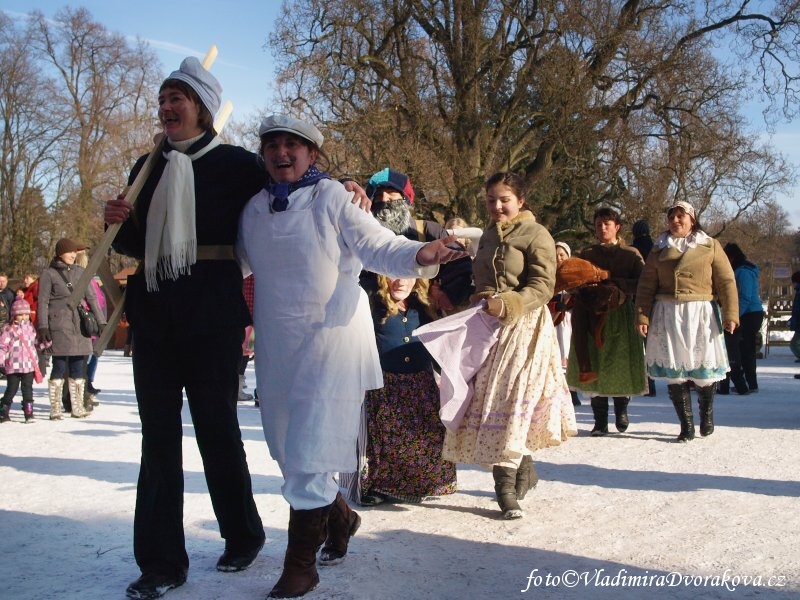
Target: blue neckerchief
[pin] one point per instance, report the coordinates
(281, 191)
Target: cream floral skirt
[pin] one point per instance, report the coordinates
(521, 401)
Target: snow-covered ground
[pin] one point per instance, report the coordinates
(626, 516)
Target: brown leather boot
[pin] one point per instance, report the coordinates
(307, 530)
(343, 522)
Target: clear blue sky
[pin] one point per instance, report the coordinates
(240, 28)
(176, 29)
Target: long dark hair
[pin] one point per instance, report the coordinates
(512, 180)
(736, 255)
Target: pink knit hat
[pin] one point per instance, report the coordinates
(20, 307)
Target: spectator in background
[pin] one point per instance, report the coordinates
(644, 243)
(794, 320)
(89, 399)
(248, 290)
(6, 293)
(30, 292)
(641, 238)
(561, 309)
(61, 325)
(18, 359)
(751, 315)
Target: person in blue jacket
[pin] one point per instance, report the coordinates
(751, 315)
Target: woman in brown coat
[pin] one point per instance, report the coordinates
(521, 401)
(685, 273)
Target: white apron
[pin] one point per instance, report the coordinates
(316, 353)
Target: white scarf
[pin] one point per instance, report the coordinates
(170, 247)
(694, 239)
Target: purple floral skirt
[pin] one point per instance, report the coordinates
(404, 440)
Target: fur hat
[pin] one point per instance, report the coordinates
(195, 75)
(575, 272)
(65, 245)
(307, 131)
(395, 180)
(20, 307)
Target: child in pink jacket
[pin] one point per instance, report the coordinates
(18, 359)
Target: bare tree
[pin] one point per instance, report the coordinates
(453, 90)
(105, 90)
(27, 167)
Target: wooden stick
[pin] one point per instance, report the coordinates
(210, 57)
(222, 116)
(110, 330)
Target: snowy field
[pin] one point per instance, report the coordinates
(630, 515)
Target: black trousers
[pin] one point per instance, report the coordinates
(750, 325)
(13, 381)
(206, 366)
(741, 346)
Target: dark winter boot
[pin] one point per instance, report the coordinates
(737, 379)
(88, 401)
(343, 522)
(505, 488)
(5, 412)
(307, 530)
(621, 413)
(600, 411)
(705, 397)
(27, 410)
(724, 386)
(527, 477)
(682, 401)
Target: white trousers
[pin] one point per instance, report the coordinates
(304, 491)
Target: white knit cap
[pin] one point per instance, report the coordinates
(291, 125)
(192, 73)
(565, 246)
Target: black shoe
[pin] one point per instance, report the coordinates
(4, 416)
(238, 560)
(153, 585)
(372, 498)
(92, 390)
